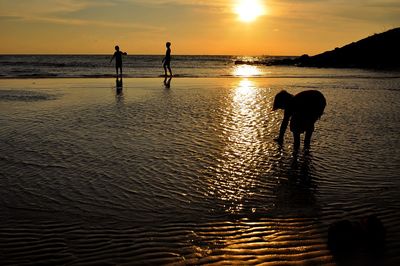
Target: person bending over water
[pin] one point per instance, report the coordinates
(167, 59)
(303, 110)
(118, 59)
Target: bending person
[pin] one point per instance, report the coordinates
(303, 110)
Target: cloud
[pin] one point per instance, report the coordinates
(54, 11)
(337, 8)
(204, 5)
(183, 2)
(82, 22)
(305, 13)
(47, 7)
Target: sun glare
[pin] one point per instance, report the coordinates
(249, 10)
(246, 71)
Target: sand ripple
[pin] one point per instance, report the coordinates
(191, 175)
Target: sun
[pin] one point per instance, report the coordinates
(249, 10)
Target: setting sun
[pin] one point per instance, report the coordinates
(249, 10)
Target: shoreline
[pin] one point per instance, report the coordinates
(386, 75)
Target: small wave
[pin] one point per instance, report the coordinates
(149, 66)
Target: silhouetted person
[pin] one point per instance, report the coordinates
(348, 237)
(167, 82)
(118, 59)
(303, 110)
(167, 59)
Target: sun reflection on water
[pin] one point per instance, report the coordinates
(243, 142)
(247, 71)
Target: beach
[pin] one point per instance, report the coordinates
(188, 172)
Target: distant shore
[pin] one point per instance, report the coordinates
(378, 52)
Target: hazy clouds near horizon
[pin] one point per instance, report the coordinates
(195, 27)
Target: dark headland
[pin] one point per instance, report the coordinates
(379, 51)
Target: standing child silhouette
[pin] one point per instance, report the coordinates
(118, 59)
(167, 60)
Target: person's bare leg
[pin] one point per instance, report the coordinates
(307, 139)
(296, 137)
(170, 71)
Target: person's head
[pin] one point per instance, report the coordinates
(116, 48)
(343, 237)
(281, 100)
(167, 44)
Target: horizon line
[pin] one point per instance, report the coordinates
(138, 54)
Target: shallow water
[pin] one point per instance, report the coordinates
(191, 174)
(141, 66)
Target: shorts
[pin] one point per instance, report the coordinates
(167, 63)
(301, 122)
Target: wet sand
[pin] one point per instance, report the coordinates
(94, 174)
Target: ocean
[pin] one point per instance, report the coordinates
(146, 66)
(144, 172)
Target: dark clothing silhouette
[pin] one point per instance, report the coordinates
(118, 59)
(167, 59)
(303, 110)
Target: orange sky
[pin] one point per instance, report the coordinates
(287, 27)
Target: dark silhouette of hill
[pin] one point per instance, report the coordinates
(379, 51)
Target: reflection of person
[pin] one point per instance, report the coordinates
(167, 59)
(118, 59)
(167, 82)
(118, 86)
(303, 110)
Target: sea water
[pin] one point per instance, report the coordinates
(97, 66)
(190, 174)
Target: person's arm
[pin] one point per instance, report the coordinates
(112, 58)
(125, 53)
(283, 127)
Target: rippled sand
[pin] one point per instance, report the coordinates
(191, 174)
